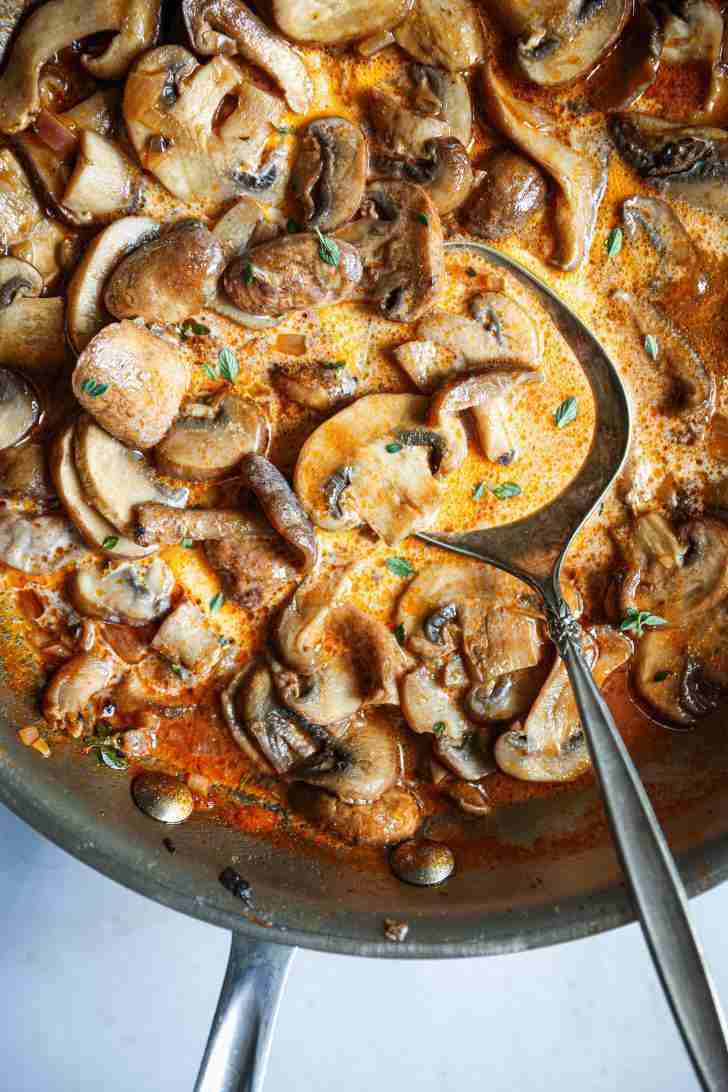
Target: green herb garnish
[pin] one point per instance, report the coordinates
(93, 388)
(566, 412)
(113, 758)
(177, 670)
(248, 273)
(439, 728)
(189, 326)
(393, 448)
(506, 490)
(216, 602)
(614, 242)
(212, 371)
(292, 226)
(400, 634)
(479, 491)
(635, 621)
(399, 566)
(187, 543)
(660, 676)
(334, 365)
(651, 347)
(422, 218)
(329, 250)
(110, 542)
(284, 130)
(229, 367)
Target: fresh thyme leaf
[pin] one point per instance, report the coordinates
(177, 670)
(422, 218)
(229, 367)
(399, 566)
(216, 602)
(334, 365)
(635, 621)
(393, 448)
(110, 542)
(479, 491)
(329, 250)
(189, 326)
(292, 226)
(566, 412)
(506, 490)
(115, 760)
(248, 273)
(284, 130)
(651, 347)
(439, 728)
(93, 388)
(400, 634)
(187, 543)
(660, 676)
(614, 242)
(212, 371)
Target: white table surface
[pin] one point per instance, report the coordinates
(104, 991)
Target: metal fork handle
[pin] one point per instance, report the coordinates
(656, 886)
(237, 1051)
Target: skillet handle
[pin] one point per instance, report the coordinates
(236, 1055)
(657, 889)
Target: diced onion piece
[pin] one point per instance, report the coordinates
(28, 735)
(293, 344)
(55, 134)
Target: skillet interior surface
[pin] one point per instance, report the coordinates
(555, 878)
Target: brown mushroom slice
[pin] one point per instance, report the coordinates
(427, 707)
(72, 694)
(292, 273)
(470, 759)
(509, 697)
(330, 172)
(96, 530)
(580, 180)
(38, 544)
(129, 592)
(345, 475)
(400, 242)
(318, 387)
(683, 269)
(334, 22)
(160, 525)
(659, 662)
(300, 630)
(360, 764)
(185, 638)
(478, 389)
(235, 229)
(60, 24)
(230, 27)
(132, 382)
(447, 33)
(19, 407)
(510, 195)
(85, 310)
(560, 47)
(497, 640)
(391, 819)
(24, 473)
(169, 277)
(443, 170)
(114, 479)
(31, 328)
(104, 183)
(171, 108)
(693, 33)
(445, 94)
(402, 131)
(694, 390)
(281, 506)
(631, 68)
(208, 440)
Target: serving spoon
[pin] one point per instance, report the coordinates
(533, 549)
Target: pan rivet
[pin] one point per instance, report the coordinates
(162, 797)
(422, 863)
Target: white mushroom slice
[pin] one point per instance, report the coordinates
(85, 310)
(207, 447)
(402, 131)
(114, 479)
(132, 382)
(169, 277)
(60, 24)
(345, 475)
(360, 765)
(96, 530)
(130, 592)
(70, 696)
(31, 329)
(429, 708)
(230, 27)
(158, 685)
(330, 172)
(580, 180)
(446, 95)
(497, 641)
(170, 106)
(471, 759)
(185, 638)
(38, 544)
(234, 231)
(24, 473)
(19, 408)
(19, 208)
(333, 22)
(388, 821)
(302, 624)
(164, 526)
(104, 184)
(319, 387)
(564, 42)
(447, 33)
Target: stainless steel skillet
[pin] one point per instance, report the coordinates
(569, 887)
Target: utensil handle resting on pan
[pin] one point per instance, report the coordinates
(236, 1055)
(653, 878)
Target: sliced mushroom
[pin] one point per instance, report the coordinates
(580, 179)
(400, 242)
(478, 389)
(132, 382)
(302, 625)
(446, 95)
(447, 33)
(470, 759)
(185, 638)
(400, 130)
(319, 387)
(345, 475)
(330, 172)
(292, 273)
(24, 473)
(96, 530)
(85, 310)
(38, 544)
(160, 525)
(333, 22)
(551, 746)
(683, 270)
(114, 479)
(444, 171)
(693, 385)
(511, 194)
(168, 277)
(497, 642)
(560, 45)
(239, 226)
(631, 68)
(75, 691)
(208, 439)
(130, 592)
(31, 328)
(157, 685)
(230, 27)
(60, 24)
(687, 161)
(171, 109)
(360, 764)
(427, 707)
(271, 735)
(19, 406)
(693, 32)
(255, 565)
(509, 697)
(281, 506)
(104, 183)
(391, 819)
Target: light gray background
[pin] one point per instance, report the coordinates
(104, 991)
